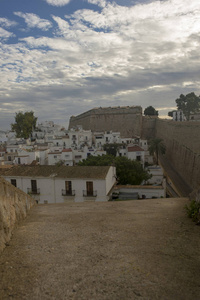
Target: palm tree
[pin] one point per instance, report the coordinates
(156, 146)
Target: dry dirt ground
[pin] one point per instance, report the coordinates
(145, 249)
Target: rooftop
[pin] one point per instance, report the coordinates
(90, 172)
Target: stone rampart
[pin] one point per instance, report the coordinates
(126, 120)
(14, 205)
(182, 141)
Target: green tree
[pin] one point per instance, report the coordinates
(104, 160)
(188, 104)
(128, 171)
(156, 146)
(150, 111)
(112, 148)
(170, 113)
(24, 124)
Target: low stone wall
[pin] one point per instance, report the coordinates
(14, 205)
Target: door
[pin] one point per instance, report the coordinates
(68, 187)
(34, 186)
(89, 186)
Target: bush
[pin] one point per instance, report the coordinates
(193, 211)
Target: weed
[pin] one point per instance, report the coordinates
(193, 210)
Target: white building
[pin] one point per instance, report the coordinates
(51, 184)
(157, 175)
(178, 116)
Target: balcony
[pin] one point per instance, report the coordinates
(33, 191)
(89, 193)
(68, 193)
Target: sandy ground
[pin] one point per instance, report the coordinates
(145, 249)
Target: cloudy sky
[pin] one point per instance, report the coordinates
(62, 57)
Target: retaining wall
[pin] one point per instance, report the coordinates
(14, 205)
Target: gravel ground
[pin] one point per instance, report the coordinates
(145, 249)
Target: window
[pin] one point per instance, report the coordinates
(34, 186)
(89, 187)
(68, 187)
(13, 182)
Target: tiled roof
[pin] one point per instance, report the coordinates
(135, 148)
(90, 172)
(56, 152)
(67, 150)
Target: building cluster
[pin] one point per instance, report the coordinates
(52, 144)
(45, 165)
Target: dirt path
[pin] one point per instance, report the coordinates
(143, 249)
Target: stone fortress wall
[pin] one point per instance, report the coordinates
(14, 205)
(182, 140)
(127, 120)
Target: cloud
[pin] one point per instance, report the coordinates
(58, 2)
(7, 23)
(100, 3)
(32, 20)
(146, 54)
(4, 34)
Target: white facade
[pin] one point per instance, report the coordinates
(52, 188)
(178, 116)
(157, 175)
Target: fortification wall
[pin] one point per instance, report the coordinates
(126, 120)
(14, 205)
(182, 142)
(148, 127)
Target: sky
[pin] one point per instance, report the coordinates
(60, 58)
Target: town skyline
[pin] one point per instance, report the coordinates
(61, 58)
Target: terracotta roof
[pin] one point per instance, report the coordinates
(67, 150)
(135, 148)
(56, 152)
(90, 172)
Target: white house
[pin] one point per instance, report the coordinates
(128, 192)
(157, 175)
(178, 115)
(52, 184)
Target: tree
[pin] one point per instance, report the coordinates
(128, 171)
(150, 111)
(188, 104)
(112, 148)
(156, 146)
(24, 124)
(170, 113)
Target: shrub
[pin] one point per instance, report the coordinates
(193, 210)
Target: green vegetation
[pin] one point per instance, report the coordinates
(150, 111)
(156, 146)
(112, 148)
(188, 104)
(128, 171)
(24, 124)
(193, 210)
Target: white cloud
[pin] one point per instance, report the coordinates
(62, 24)
(124, 55)
(4, 34)
(101, 3)
(58, 2)
(32, 20)
(7, 23)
